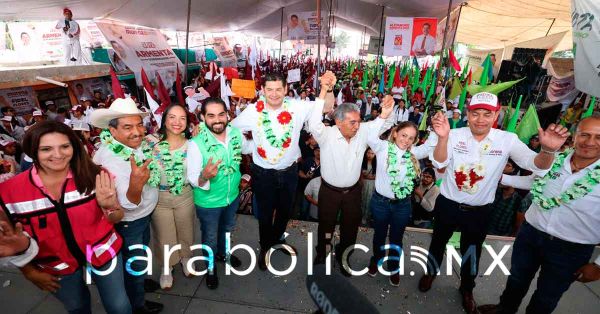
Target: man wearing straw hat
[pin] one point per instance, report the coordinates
(126, 154)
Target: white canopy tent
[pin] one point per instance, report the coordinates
(483, 23)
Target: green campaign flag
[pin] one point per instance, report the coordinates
(484, 79)
(507, 115)
(415, 79)
(463, 98)
(405, 97)
(456, 88)
(391, 74)
(465, 70)
(365, 80)
(492, 88)
(423, 124)
(529, 125)
(351, 67)
(590, 109)
(512, 124)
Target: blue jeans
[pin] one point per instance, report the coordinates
(395, 216)
(75, 295)
(214, 223)
(134, 232)
(558, 260)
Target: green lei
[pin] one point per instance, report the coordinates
(236, 144)
(125, 152)
(265, 122)
(578, 190)
(400, 191)
(173, 166)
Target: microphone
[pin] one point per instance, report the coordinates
(67, 24)
(334, 294)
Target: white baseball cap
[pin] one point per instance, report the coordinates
(484, 100)
(6, 118)
(246, 177)
(49, 102)
(37, 113)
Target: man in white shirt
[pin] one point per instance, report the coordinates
(193, 99)
(559, 238)
(275, 122)
(342, 150)
(125, 122)
(296, 30)
(70, 34)
(424, 44)
(473, 158)
(311, 192)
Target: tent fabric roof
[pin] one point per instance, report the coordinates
(485, 23)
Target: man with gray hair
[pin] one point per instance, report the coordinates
(342, 149)
(125, 154)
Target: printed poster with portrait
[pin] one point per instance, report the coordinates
(304, 26)
(410, 36)
(142, 47)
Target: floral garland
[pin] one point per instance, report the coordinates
(236, 145)
(468, 175)
(264, 125)
(578, 190)
(400, 191)
(125, 152)
(173, 166)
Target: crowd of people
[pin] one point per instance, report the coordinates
(98, 178)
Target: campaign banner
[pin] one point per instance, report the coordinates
(450, 33)
(410, 36)
(141, 47)
(36, 41)
(305, 26)
(22, 99)
(86, 88)
(398, 36)
(225, 52)
(586, 36)
(293, 76)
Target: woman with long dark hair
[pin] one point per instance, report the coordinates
(68, 205)
(397, 172)
(173, 218)
(368, 171)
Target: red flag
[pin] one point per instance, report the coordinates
(397, 82)
(405, 82)
(163, 95)
(469, 77)
(454, 62)
(257, 77)
(385, 76)
(147, 86)
(231, 73)
(179, 89)
(116, 86)
(248, 71)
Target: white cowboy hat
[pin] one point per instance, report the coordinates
(121, 107)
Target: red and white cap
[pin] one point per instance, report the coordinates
(484, 100)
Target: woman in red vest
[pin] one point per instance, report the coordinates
(68, 205)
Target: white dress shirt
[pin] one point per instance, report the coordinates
(491, 153)
(383, 182)
(429, 44)
(121, 169)
(301, 112)
(341, 160)
(312, 190)
(518, 182)
(577, 221)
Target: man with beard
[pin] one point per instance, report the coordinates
(125, 154)
(213, 169)
(275, 122)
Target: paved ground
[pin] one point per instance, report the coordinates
(262, 292)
